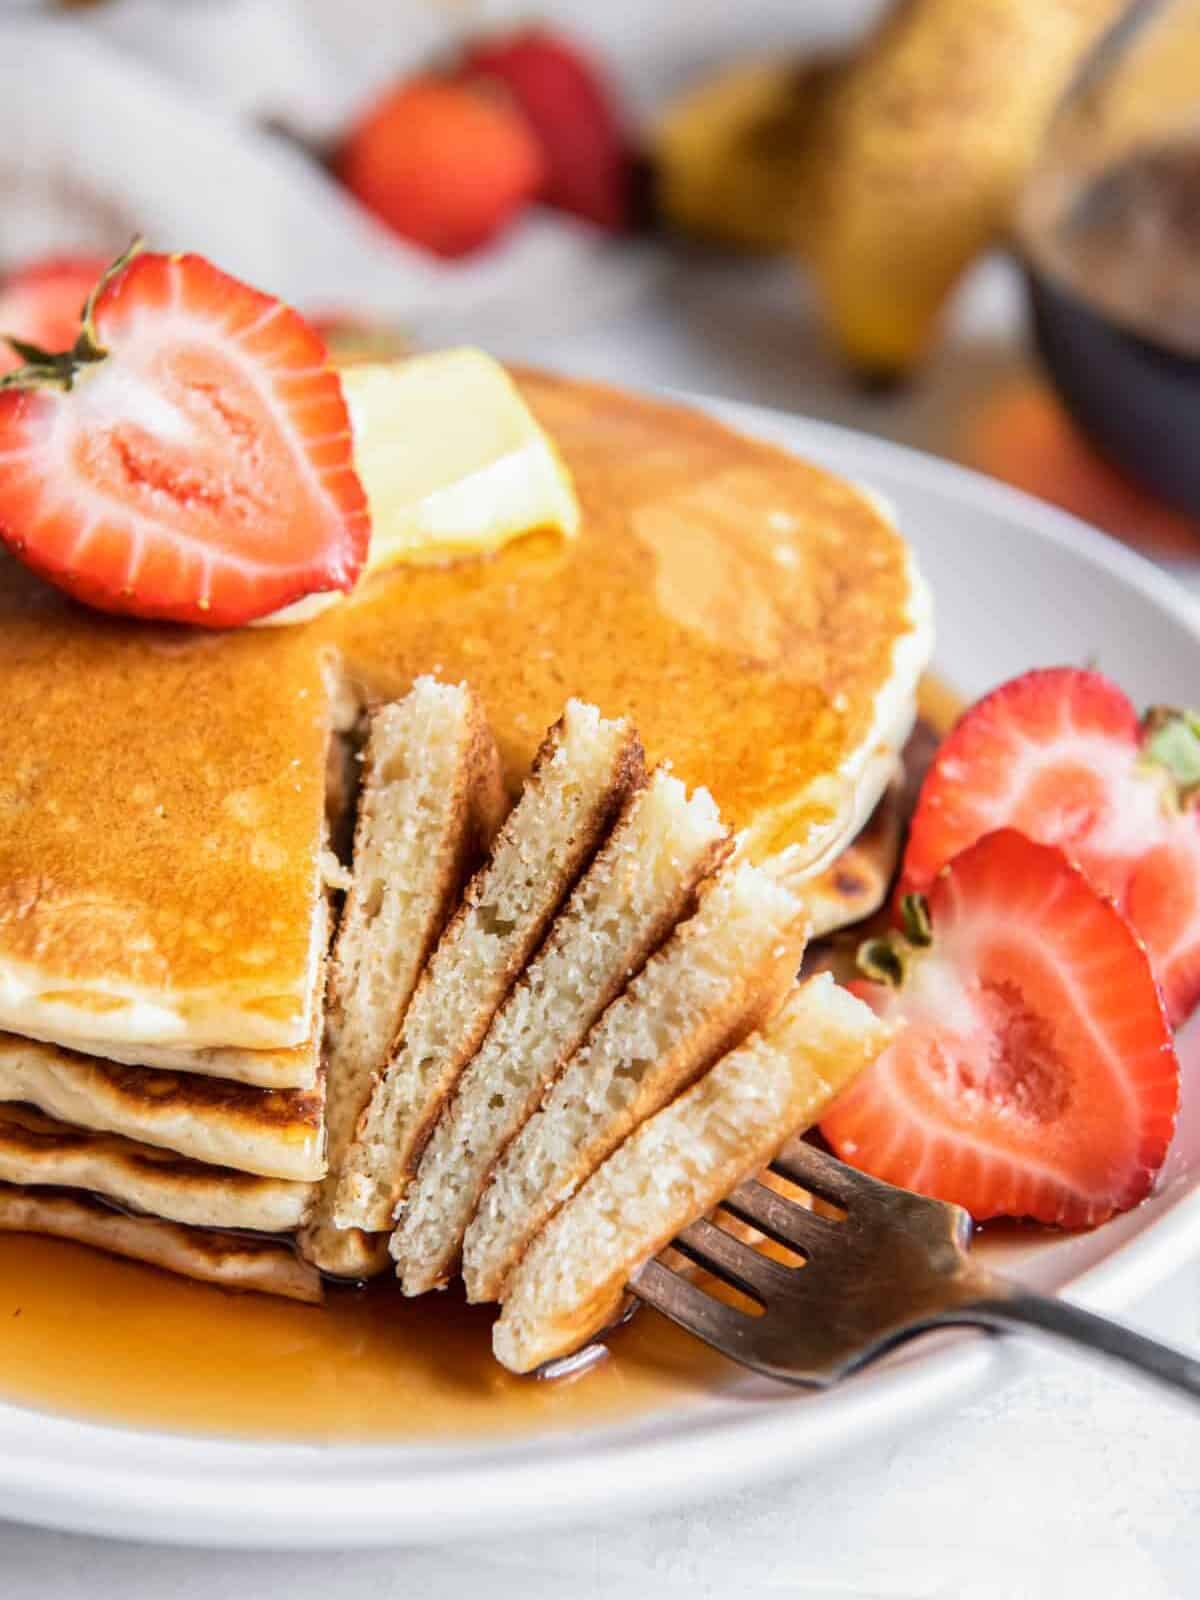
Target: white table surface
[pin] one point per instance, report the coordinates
(1062, 1481)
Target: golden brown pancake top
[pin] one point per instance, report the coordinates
(161, 790)
(161, 799)
(739, 605)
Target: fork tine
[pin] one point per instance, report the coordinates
(729, 1258)
(687, 1304)
(781, 1348)
(779, 1218)
(824, 1175)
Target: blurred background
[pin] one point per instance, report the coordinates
(968, 225)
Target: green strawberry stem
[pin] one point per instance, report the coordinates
(1171, 744)
(888, 958)
(45, 369)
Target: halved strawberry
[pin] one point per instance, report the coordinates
(1034, 1073)
(41, 303)
(189, 458)
(1060, 755)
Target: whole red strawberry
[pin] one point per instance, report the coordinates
(189, 457)
(573, 111)
(41, 303)
(444, 165)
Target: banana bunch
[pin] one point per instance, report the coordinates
(887, 172)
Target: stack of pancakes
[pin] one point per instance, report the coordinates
(163, 927)
(170, 803)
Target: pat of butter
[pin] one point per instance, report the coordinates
(453, 462)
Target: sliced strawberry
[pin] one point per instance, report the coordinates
(1059, 754)
(1162, 896)
(42, 302)
(188, 459)
(1034, 1073)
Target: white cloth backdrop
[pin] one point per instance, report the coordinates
(164, 116)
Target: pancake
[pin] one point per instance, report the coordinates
(35, 1149)
(296, 1067)
(856, 883)
(234, 1261)
(262, 1069)
(759, 620)
(161, 824)
(162, 794)
(278, 1133)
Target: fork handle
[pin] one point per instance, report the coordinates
(1005, 1306)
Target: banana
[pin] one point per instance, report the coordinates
(926, 138)
(733, 155)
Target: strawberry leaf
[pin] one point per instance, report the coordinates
(914, 913)
(1171, 741)
(59, 369)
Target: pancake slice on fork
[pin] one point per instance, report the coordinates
(430, 802)
(586, 769)
(678, 1165)
(723, 972)
(626, 903)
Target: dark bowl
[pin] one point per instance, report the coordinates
(1137, 400)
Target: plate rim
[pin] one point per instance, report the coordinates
(91, 1477)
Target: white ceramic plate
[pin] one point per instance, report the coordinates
(1016, 585)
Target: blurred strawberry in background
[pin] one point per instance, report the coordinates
(574, 113)
(40, 303)
(443, 164)
(448, 161)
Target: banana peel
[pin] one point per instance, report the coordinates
(925, 140)
(733, 156)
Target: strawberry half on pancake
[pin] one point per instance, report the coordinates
(41, 303)
(188, 459)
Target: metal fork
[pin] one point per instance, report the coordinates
(895, 1266)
